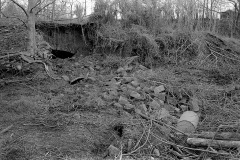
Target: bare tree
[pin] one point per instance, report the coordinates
(31, 12)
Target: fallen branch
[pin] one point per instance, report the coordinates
(6, 129)
(147, 138)
(193, 149)
(10, 55)
(27, 57)
(213, 143)
(217, 136)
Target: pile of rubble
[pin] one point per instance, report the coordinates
(175, 113)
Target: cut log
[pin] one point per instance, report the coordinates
(217, 136)
(213, 143)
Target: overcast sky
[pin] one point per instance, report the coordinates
(89, 3)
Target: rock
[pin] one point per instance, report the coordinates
(147, 89)
(135, 83)
(135, 95)
(107, 96)
(171, 100)
(76, 116)
(161, 96)
(177, 110)
(128, 79)
(128, 68)
(120, 70)
(92, 79)
(138, 88)
(129, 86)
(129, 106)
(113, 93)
(124, 89)
(124, 74)
(123, 100)
(100, 102)
(138, 111)
(118, 105)
(113, 151)
(183, 100)
(159, 101)
(97, 67)
(177, 92)
(154, 105)
(19, 67)
(156, 152)
(77, 64)
(143, 107)
(163, 113)
(159, 89)
(194, 104)
(113, 84)
(169, 107)
(184, 108)
(69, 90)
(66, 78)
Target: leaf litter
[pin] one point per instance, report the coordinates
(81, 115)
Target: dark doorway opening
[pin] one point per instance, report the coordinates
(61, 54)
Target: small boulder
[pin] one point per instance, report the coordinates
(159, 89)
(135, 83)
(135, 95)
(123, 100)
(66, 78)
(118, 105)
(154, 105)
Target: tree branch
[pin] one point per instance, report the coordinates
(24, 10)
(38, 3)
(16, 18)
(45, 6)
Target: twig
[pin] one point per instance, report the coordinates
(120, 154)
(211, 45)
(24, 10)
(6, 129)
(149, 131)
(194, 149)
(83, 34)
(146, 117)
(213, 51)
(139, 140)
(10, 55)
(24, 23)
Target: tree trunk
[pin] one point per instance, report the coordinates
(31, 26)
(203, 16)
(85, 10)
(53, 10)
(0, 8)
(211, 15)
(237, 17)
(71, 11)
